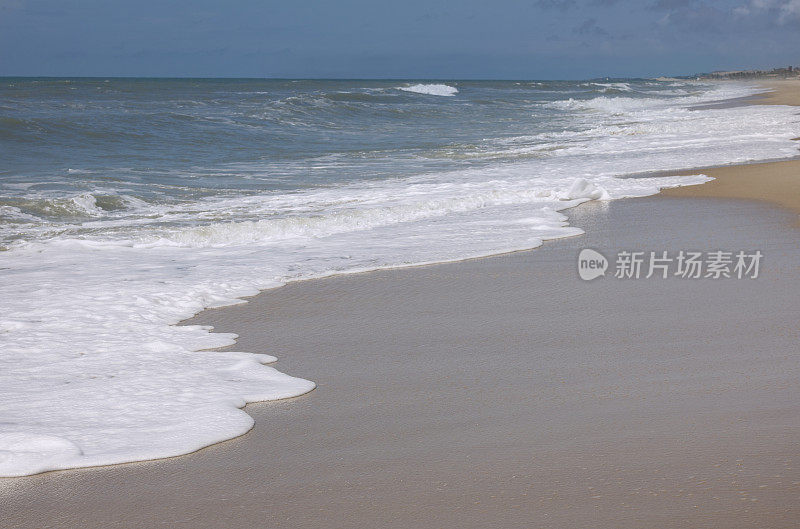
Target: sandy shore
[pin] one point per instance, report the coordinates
(500, 392)
(782, 92)
(506, 392)
(777, 183)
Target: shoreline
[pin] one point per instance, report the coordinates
(778, 184)
(782, 92)
(777, 187)
(778, 180)
(730, 182)
(498, 391)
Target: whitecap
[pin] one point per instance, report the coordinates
(430, 89)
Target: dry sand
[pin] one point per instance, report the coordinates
(501, 392)
(774, 182)
(783, 92)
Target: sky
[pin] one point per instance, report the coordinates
(419, 39)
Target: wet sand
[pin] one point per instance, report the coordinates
(500, 392)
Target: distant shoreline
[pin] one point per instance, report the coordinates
(776, 182)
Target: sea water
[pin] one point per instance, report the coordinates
(128, 205)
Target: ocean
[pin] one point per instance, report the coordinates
(128, 205)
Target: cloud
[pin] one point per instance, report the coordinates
(716, 17)
(753, 7)
(692, 15)
(790, 10)
(783, 11)
(560, 5)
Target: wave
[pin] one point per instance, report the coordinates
(368, 218)
(14, 214)
(631, 103)
(614, 87)
(430, 89)
(76, 208)
(100, 339)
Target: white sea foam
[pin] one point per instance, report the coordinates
(430, 89)
(94, 371)
(86, 203)
(15, 214)
(608, 87)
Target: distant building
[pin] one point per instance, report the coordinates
(790, 72)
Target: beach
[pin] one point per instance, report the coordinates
(772, 182)
(506, 391)
(778, 183)
(781, 92)
(452, 396)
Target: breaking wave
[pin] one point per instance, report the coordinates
(430, 89)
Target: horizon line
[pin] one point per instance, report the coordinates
(451, 79)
